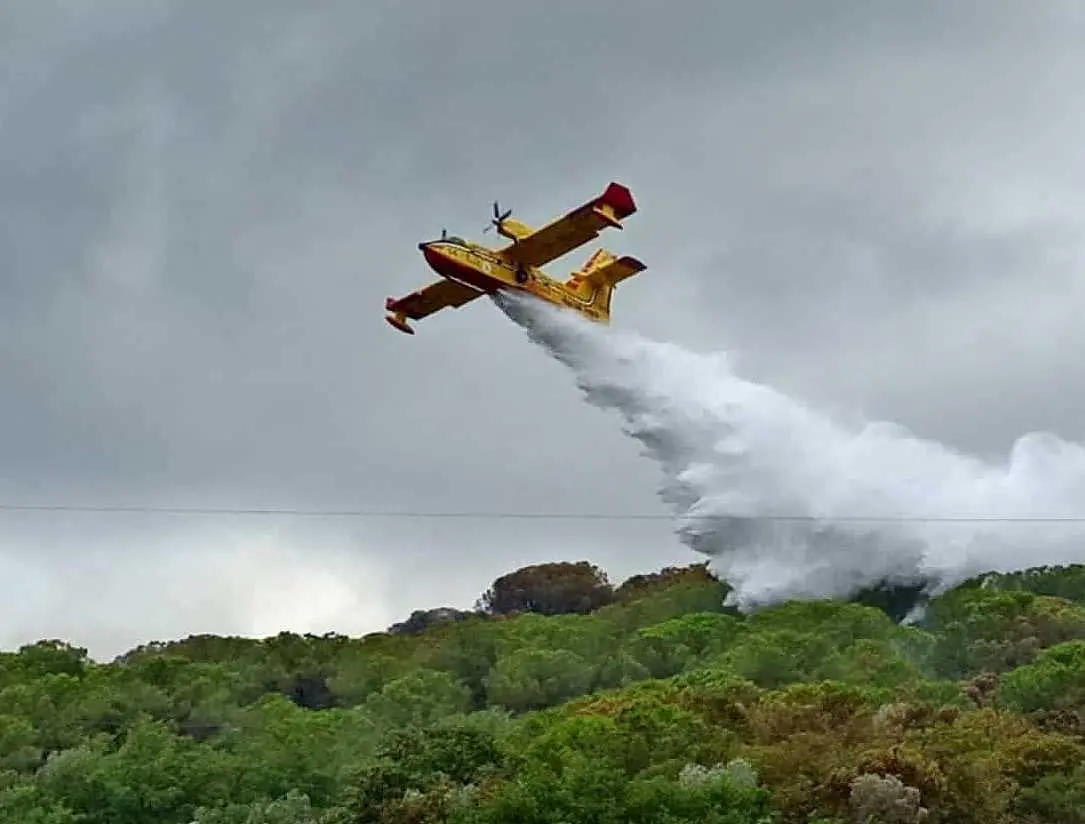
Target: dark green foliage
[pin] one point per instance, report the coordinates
(986, 629)
(418, 760)
(1059, 581)
(569, 701)
(549, 589)
(895, 600)
(638, 586)
(422, 619)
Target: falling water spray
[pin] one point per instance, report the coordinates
(790, 503)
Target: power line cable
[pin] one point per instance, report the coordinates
(513, 515)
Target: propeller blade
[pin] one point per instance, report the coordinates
(498, 217)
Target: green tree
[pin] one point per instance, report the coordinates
(530, 679)
(51, 657)
(549, 589)
(415, 770)
(153, 776)
(980, 629)
(418, 699)
(639, 586)
(1055, 681)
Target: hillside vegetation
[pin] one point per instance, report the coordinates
(565, 700)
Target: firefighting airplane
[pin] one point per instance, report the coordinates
(469, 270)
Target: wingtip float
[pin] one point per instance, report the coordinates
(470, 270)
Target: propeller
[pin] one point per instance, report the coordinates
(499, 216)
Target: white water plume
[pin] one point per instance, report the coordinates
(790, 503)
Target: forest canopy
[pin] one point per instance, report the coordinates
(563, 699)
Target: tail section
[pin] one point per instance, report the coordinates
(596, 280)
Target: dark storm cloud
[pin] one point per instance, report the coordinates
(204, 207)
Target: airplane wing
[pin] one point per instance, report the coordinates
(432, 298)
(573, 229)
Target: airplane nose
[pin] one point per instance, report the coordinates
(432, 255)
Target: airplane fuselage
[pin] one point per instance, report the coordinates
(488, 271)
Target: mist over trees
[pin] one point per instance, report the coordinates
(564, 699)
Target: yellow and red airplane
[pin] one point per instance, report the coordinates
(469, 270)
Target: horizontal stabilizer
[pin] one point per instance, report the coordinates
(615, 271)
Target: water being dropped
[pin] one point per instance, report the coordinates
(790, 503)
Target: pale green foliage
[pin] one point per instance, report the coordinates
(1056, 680)
(420, 698)
(885, 799)
(738, 771)
(620, 669)
(534, 678)
(18, 744)
(359, 676)
(292, 808)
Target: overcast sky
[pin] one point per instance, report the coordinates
(878, 207)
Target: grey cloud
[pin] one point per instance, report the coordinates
(205, 207)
